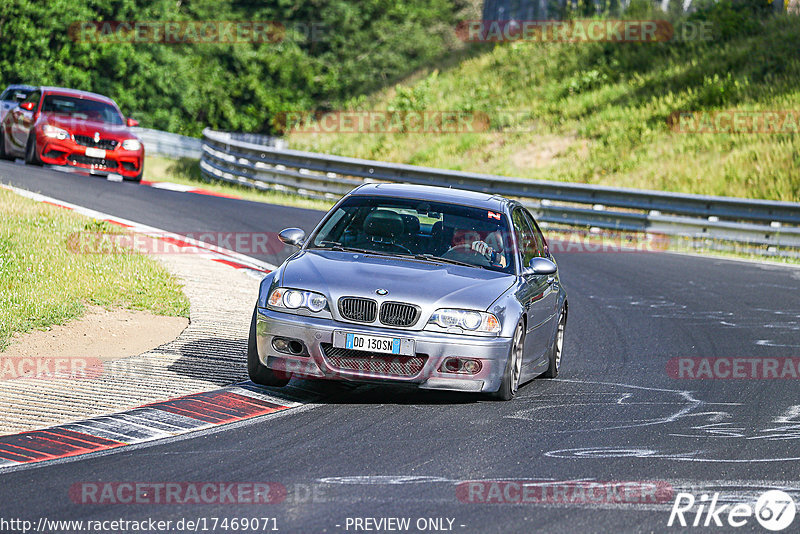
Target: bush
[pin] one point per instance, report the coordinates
(185, 87)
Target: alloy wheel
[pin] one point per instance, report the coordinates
(516, 359)
(559, 346)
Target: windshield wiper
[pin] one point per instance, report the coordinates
(334, 245)
(439, 259)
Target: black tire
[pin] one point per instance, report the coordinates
(557, 348)
(3, 154)
(259, 373)
(138, 177)
(31, 157)
(512, 371)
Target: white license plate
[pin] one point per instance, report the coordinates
(388, 345)
(96, 153)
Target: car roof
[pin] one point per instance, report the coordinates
(20, 86)
(435, 194)
(76, 93)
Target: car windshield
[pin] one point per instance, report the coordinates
(15, 95)
(82, 108)
(433, 231)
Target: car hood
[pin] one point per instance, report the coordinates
(426, 284)
(87, 127)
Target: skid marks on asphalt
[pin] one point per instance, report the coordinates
(751, 319)
(603, 406)
(694, 429)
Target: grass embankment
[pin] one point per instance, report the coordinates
(43, 282)
(597, 113)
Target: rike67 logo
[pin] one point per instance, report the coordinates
(774, 510)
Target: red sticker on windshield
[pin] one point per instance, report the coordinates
(493, 215)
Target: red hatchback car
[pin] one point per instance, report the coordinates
(58, 126)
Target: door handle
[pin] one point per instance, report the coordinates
(551, 279)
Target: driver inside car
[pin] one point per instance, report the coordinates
(468, 243)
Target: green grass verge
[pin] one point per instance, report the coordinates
(42, 282)
(186, 171)
(597, 113)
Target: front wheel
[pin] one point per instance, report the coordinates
(513, 369)
(31, 156)
(138, 177)
(557, 350)
(260, 373)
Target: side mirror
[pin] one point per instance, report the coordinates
(131, 122)
(540, 266)
(292, 236)
(27, 106)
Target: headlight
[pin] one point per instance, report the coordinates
(131, 144)
(316, 302)
(295, 298)
(473, 321)
(55, 133)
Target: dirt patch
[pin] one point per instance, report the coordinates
(101, 333)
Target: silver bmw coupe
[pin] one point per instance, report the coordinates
(433, 287)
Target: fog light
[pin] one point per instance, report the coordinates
(461, 366)
(452, 365)
(289, 346)
(471, 366)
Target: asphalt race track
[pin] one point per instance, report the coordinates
(615, 413)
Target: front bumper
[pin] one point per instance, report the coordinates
(315, 333)
(67, 152)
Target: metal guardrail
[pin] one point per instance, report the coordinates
(169, 144)
(755, 222)
(182, 146)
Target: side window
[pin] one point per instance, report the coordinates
(33, 97)
(525, 238)
(541, 244)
